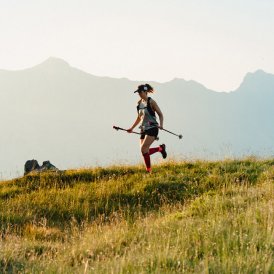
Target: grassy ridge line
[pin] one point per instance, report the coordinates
(86, 195)
(220, 222)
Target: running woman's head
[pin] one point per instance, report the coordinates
(143, 90)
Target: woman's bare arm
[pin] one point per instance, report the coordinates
(137, 121)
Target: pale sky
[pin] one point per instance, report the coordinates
(214, 42)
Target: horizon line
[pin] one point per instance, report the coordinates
(64, 62)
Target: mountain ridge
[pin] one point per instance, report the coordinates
(67, 116)
(54, 63)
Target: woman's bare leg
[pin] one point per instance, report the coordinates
(145, 144)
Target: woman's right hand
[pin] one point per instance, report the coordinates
(129, 130)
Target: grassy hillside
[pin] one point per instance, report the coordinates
(192, 217)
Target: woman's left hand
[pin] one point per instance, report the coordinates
(160, 127)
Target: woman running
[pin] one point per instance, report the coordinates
(146, 109)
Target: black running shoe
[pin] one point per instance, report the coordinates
(164, 154)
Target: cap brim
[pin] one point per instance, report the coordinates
(136, 91)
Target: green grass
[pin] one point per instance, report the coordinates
(186, 217)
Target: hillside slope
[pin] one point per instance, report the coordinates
(185, 217)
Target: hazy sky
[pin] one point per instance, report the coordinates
(215, 42)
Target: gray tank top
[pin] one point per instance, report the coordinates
(147, 115)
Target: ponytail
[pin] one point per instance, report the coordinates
(149, 88)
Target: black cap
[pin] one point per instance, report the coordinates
(141, 88)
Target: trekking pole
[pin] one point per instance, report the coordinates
(178, 135)
(119, 128)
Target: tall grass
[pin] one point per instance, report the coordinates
(186, 217)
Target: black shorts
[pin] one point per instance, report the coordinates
(150, 132)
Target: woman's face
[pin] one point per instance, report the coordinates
(143, 94)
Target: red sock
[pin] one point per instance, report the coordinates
(147, 161)
(154, 149)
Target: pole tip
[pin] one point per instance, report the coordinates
(180, 136)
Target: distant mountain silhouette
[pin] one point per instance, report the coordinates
(258, 81)
(56, 112)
